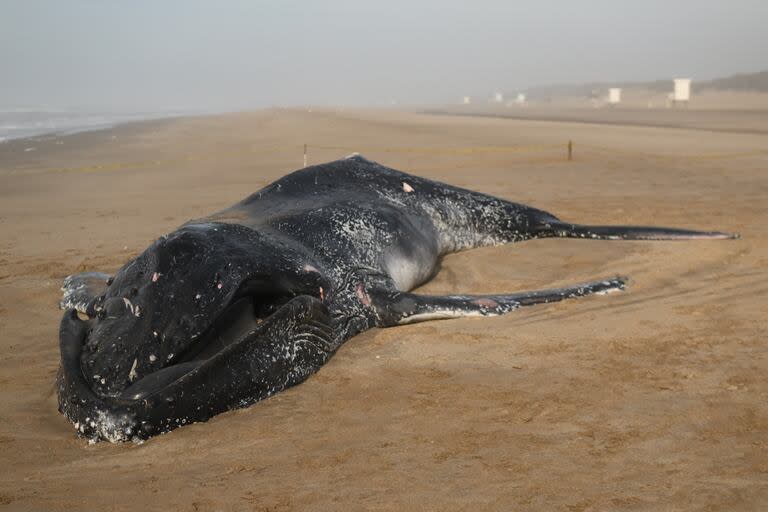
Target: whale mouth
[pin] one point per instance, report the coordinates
(239, 322)
(241, 365)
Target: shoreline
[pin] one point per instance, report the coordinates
(627, 117)
(98, 127)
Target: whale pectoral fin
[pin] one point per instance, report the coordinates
(397, 308)
(79, 290)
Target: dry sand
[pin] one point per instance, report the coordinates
(746, 120)
(652, 399)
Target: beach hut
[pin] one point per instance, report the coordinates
(682, 92)
(614, 96)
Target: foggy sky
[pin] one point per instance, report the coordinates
(159, 55)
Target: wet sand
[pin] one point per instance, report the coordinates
(651, 399)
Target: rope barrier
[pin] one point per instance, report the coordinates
(438, 150)
(567, 147)
(710, 156)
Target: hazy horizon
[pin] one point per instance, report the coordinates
(206, 56)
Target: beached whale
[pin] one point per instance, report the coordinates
(232, 308)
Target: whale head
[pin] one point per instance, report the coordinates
(176, 307)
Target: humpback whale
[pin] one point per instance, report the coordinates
(232, 308)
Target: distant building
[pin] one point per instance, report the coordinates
(520, 100)
(682, 91)
(498, 97)
(466, 100)
(614, 95)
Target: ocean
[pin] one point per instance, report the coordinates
(21, 123)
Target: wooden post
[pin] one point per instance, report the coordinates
(570, 150)
(305, 155)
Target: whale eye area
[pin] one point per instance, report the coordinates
(249, 308)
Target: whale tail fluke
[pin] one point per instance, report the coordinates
(568, 230)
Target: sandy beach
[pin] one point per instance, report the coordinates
(651, 399)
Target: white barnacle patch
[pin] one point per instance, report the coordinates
(129, 305)
(73, 293)
(152, 358)
(132, 374)
(137, 310)
(197, 297)
(407, 188)
(309, 268)
(111, 427)
(155, 277)
(613, 288)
